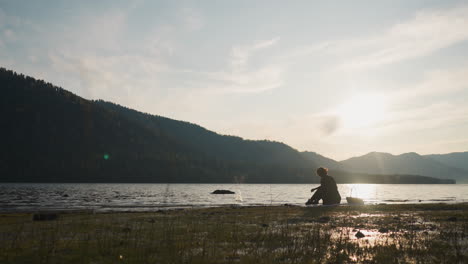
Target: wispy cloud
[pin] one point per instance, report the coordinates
(240, 55)
(424, 118)
(7, 20)
(8, 25)
(91, 33)
(426, 32)
(242, 78)
(436, 83)
(192, 18)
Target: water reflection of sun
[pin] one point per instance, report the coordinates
(363, 191)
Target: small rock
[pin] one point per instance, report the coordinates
(359, 234)
(232, 258)
(265, 225)
(45, 216)
(126, 229)
(452, 219)
(223, 192)
(383, 230)
(65, 195)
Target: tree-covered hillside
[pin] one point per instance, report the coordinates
(51, 135)
(209, 143)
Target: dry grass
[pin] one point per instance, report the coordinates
(409, 234)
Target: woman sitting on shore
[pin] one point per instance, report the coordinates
(327, 191)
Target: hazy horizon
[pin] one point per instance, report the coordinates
(340, 79)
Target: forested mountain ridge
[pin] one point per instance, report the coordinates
(51, 135)
(212, 144)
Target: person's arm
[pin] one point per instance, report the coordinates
(316, 188)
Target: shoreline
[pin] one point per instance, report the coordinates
(158, 208)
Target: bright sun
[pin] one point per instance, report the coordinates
(362, 111)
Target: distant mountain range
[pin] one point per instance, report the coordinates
(443, 166)
(457, 159)
(448, 166)
(323, 161)
(51, 135)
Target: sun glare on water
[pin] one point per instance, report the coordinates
(362, 111)
(363, 191)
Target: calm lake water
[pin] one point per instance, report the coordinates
(150, 197)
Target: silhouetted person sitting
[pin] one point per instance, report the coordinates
(327, 191)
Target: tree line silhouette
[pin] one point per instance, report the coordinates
(49, 134)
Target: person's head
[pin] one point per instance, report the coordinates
(322, 171)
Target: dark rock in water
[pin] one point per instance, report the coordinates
(265, 225)
(359, 234)
(383, 230)
(45, 216)
(65, 195)
(323, 219)
(354, 201)
(452, 219)
(223, 192)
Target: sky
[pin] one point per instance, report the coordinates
(340, 78)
